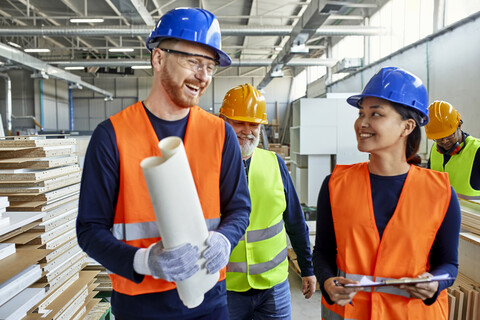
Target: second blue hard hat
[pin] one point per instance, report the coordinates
(191, 24)
(399, 86)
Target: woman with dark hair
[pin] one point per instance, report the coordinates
(385, 218)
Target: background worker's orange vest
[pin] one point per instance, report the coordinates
(405, 246)
(134, 215)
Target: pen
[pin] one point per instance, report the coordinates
(340, 285)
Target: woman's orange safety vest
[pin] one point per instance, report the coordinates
(403, 250)
(135, 222)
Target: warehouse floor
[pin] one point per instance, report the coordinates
(303, 309)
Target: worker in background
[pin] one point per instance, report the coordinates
(387, 218)
(116, 223)
(454, 151)
(257, 273)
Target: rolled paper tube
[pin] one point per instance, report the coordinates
(178, 211)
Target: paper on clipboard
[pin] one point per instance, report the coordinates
(366, 282)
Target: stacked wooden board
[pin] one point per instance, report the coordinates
(41, 177)
(104, 284)
(464, 299)
(464, 294)
(470, 216)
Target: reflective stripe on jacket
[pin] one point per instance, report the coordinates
(259, 260)
(135, 222)
(459, 167)
(403, 250)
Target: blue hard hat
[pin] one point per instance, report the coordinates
(191, 24)
(399, 86)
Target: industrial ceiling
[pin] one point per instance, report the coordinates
(263, 37)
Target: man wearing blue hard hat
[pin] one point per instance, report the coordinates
(115, 209)
(387, 219)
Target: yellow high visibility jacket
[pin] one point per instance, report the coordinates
(459, 167)
(259, 260)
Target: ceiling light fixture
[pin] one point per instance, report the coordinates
(120, 49)
(37, 50)
(86, 20)
(74, 68)
(141, 67)
(13, 44)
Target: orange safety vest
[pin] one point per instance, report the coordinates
(403, 250)
(134, 221)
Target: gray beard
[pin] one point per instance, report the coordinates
(249, 147)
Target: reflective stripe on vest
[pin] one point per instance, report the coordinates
(461, 196)
(260, 258)
(459, 167)
(259, 267)
(134, 220)
(360, 251)
(145, 230)
(263, 234)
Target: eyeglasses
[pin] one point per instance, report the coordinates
(191, 61)
(451, 137)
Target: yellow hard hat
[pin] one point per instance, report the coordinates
(444, 120)
(245, 103)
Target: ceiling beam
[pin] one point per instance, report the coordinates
(311, 19)
(44, 69)
(143, 12)
(144, 31)
(235, 63)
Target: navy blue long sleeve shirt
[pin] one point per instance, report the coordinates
(385, 194)
(98, 199)
(294, 220)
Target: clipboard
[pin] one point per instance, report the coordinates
(364, 282)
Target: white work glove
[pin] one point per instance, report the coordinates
(217, 252)
(175, 264)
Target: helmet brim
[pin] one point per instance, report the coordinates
(224, 59)
(355, 100)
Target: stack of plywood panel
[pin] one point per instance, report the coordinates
(41, 178)
(464, 295)
(464, 299)
(18, 270)
(101, 279)
(470, 216)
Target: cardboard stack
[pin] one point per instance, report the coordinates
(282, 150)
(41, 178)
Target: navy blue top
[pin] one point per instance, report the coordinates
(98, 199)
(475, 176)
(385, 193)
(294, 220)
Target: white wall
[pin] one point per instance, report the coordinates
(90, 107)
(448, 64)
